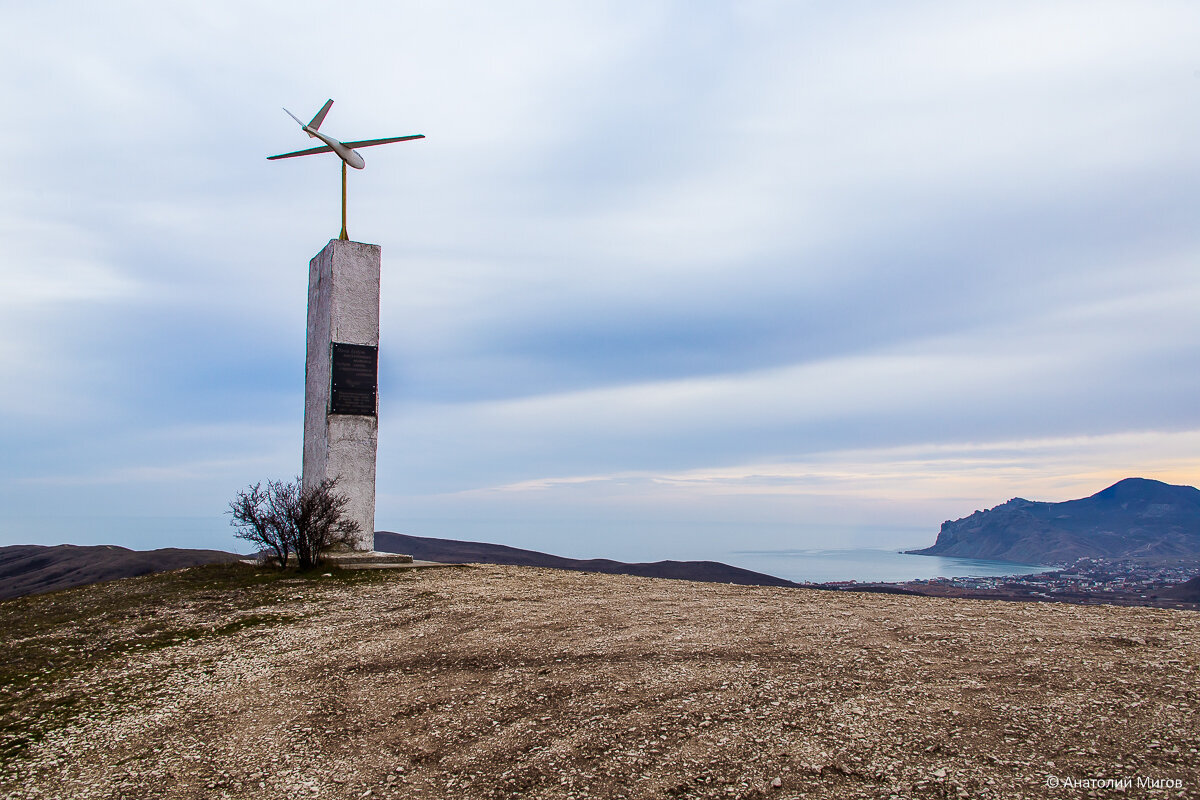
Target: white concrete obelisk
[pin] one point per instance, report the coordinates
(341, 401)
(341, 367)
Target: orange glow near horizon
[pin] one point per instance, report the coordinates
(1051, 470)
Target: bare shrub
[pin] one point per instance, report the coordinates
(286, 520)
(259, 522)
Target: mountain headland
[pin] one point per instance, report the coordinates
(517, 682)
(1134, 519)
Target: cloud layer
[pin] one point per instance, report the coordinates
(656, 264)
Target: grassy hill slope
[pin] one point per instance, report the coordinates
(501, 681)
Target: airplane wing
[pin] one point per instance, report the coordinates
(372, 142)
(313, 151)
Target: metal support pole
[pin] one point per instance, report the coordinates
(344, 236)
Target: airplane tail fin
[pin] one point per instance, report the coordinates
(320, 117)
(316, 121)
(293, 116)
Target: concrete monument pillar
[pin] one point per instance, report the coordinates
(341, 401)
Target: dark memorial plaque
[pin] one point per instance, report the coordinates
(355, 367)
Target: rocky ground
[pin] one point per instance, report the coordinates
(496, 682)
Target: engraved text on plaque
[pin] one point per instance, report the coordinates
(355, 367)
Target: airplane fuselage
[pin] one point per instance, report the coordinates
(351, 157)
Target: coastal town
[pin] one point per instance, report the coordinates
(1126, 582)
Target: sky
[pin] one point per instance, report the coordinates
(664, 280)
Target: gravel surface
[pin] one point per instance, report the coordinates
(490, 682)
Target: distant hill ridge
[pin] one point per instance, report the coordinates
(1133, 518)
(454, 551)
(32, 569)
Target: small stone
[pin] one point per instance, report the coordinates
(776, 783)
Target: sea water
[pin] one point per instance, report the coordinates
(869, 566)
(861, 558)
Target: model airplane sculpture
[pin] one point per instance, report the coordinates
(346, 151)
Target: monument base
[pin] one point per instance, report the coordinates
(366, 559)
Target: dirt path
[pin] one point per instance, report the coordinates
(516, 682)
